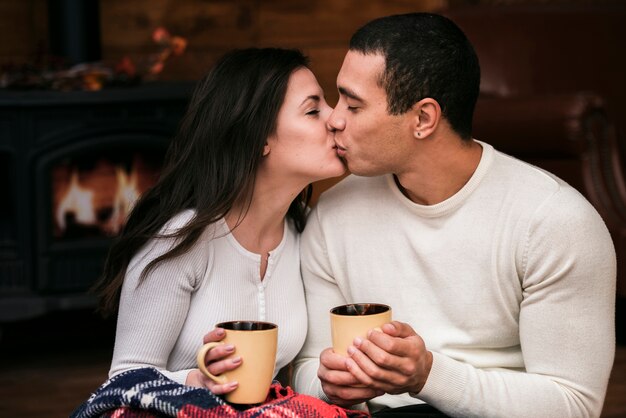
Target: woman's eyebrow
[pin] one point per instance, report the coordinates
(314, 97)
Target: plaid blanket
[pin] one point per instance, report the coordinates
(146, 393)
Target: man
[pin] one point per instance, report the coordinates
(501, 276)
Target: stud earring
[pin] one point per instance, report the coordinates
(419, 134)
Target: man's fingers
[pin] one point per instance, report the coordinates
(398, 329)
(366, 370)
(336, 377)
(332, 360)
(391, 364)
(388, 351)
(332, 369)
(348, 395)
(341, 387)
(357, 372)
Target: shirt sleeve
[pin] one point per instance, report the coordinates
(322, 294)
(152, 311)
(566, 325)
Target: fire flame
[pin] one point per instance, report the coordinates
(78, 201)
(102, 203)
(124, 200)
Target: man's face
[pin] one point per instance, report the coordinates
(369, 139)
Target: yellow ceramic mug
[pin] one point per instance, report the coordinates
(355, 320)
(256, 343)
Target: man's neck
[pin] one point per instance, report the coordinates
(440, 170)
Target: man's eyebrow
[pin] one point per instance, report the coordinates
(349, 93)
(314, 97)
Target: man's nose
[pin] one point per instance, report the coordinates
(335, 122)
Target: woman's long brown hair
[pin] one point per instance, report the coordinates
(212, 161)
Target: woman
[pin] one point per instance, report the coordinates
(216, 238)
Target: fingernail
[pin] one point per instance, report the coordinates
(236, 360)
(229, 347)
(351, 350)
(357, 341)
(219, 332)
(233, 384)
(390, 326)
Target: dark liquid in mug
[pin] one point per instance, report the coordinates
(360, 309)
(246, 325)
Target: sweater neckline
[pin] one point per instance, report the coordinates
(454, 201)
(249, 254)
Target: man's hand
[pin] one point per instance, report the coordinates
(216, 364)
(341, 387)
(393, 361)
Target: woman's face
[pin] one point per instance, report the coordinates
(302, 147)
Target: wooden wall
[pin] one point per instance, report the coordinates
(23, 30)
(320, 27)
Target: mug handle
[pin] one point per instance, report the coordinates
(200, 359)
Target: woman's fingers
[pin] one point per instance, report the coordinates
(219, 352)
(197, 379)
(223, 389)
(215, 335)
(219, 367)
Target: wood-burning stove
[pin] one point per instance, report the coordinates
(71, 165)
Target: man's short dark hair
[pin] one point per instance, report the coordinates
(426, 55)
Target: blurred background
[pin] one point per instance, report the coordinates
(91, 91)
(320, 27)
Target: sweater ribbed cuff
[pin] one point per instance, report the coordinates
(445, 384)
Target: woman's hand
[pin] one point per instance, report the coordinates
(217, 364)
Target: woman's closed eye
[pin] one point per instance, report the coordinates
(313, 112)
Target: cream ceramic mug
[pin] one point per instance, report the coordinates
(355, 320)
(255, 342)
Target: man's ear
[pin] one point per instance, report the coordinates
(427, 114)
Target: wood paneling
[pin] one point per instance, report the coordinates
(214, 26)
(326, 22)
(322, 28)
(23, 29)
(325, 63)
(454, 3)
(128, 25)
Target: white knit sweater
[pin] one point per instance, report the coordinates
(162, 320)
(510, 282)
